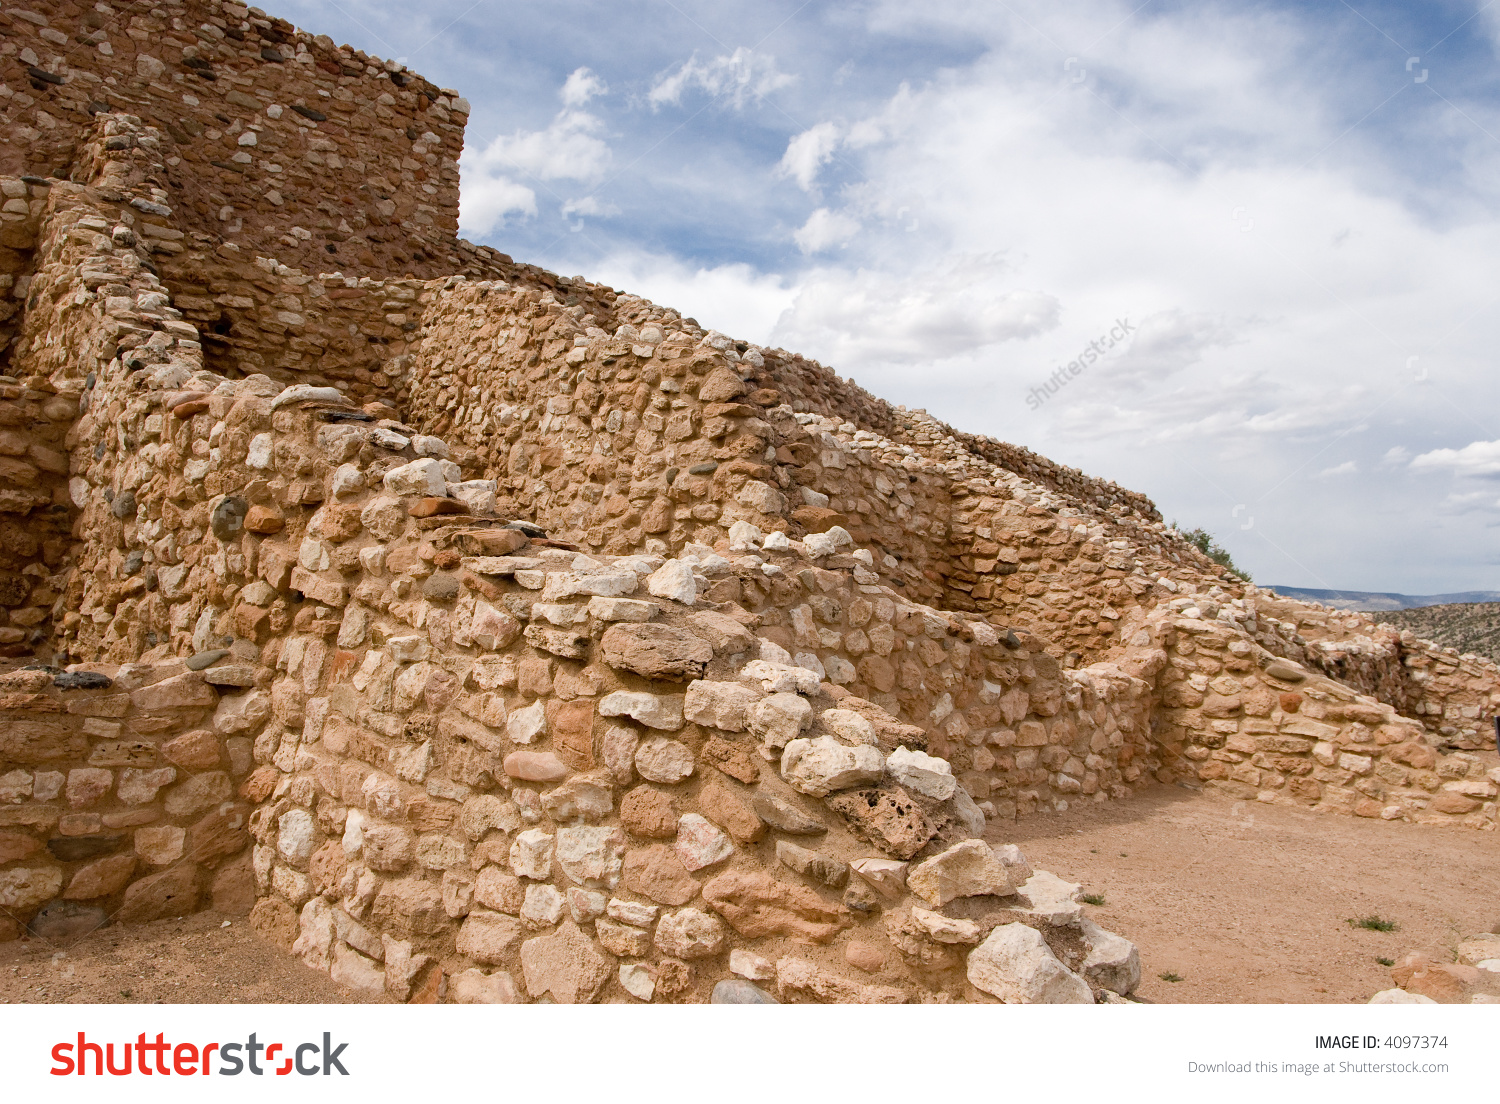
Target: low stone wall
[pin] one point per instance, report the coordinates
(120, 794)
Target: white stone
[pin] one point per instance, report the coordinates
(591, 856)
(821, 766)
(848, 726)
(603, 584)
(424, 445)
(531, 854)
(526, 724)
(659, 711)
(1016, 965)
(690, 933)
(699, 843)
(776, 542)
(23, 888)
(261, 453)
(477, 496)
(663, 760)
(295, 837)
(826, 544)
(744, 537)
(347, 480)
(839, 670)
(885, 876)
(922, 773)
(748, 964)
(306, 392)
(673, 580)
(633, 913)
(779, 719)
(945, 929)
(724, 705)
(1016, 866)
(1052, 899)
(420, 477)
(1399, 996)
(1113, 961)
(638, 982)
(543, 905)
(967, 869)
(356, 971)
(620, 609)
(780, 678)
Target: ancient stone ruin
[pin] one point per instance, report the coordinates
(499, 636)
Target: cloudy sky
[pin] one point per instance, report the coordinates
(1288, 215)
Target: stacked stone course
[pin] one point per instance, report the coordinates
(506, 636)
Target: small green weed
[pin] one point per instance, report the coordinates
(1170, 977)
(1373, 923)
(1386, 961)
(1092, 898)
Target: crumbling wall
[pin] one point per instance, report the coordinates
(274, 140)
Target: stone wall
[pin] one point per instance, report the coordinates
(274, 140)
(118, 794)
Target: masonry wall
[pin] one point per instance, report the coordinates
(274, 140)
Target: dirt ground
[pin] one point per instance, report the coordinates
(1250, 903)
(1246, 903)
(194, 960)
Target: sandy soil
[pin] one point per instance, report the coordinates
(1244, 902)
(1250, 903)
(194, 960)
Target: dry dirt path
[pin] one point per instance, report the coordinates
(1244, 902)
(1250, 903)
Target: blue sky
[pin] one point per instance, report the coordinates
(1296, 208)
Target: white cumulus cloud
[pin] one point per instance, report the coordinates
(738, 77)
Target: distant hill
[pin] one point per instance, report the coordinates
(1375, 601)
(1469, 627)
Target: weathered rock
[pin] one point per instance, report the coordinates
(1015, 964)
(756, 904)
(946, 929)
(489, 937)
(725, 705)
(591, 856)
(779, 719)
(799, 979)
(61, 921)
(638, 982)
(967, 869)
(820, 868)
(922, 773)
(689, 933)
(731, 812)
(699, 843)
(1051, 900)
(1113, 962)
(822, 766)
(886, 817)
(784, 817)
(173, 892)
(622, 940)
(674, 581)
(656, 872)
(659, 711)
(655, 651)
(739, 991)
(663, 760)
(647, 812)
(477, 987)
(564, 965)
